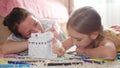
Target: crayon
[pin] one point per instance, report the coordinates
(61, 64)
(84, 57)
(97, 61)
(14, 65)
(15, 62)
(2, 61)
(118, 56)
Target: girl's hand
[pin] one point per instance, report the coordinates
(57, 48)
(80, 51)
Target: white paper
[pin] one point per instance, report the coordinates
(40, 45)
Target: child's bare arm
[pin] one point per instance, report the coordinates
(107, 51)
(67, 43)
(60, 48)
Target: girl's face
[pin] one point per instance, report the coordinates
(79, 39)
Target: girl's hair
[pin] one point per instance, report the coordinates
(14, 18)
(85, 20)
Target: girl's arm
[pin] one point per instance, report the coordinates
(10, 47)
(105, 51)
(67, 43)
(60, 49)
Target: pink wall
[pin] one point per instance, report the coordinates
(50, 9)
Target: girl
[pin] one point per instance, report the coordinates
(86, 32)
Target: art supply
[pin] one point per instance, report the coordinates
(10, 56)
(14, 65)
(16, 62)
(3, 61)
(118, 56)
(74, 55)
(87, 58)
(97, 61)
(40, 45)
(63, 62)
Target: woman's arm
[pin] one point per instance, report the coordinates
(10, 47)
(106, 51)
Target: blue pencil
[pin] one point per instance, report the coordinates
(14, 65)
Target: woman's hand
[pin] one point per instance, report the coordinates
(53, 30)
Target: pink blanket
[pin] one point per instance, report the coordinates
(50, 9)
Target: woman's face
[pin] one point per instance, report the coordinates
(79, 39)
(28, 26)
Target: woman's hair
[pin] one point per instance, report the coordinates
(85, 20)
(14, 18)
